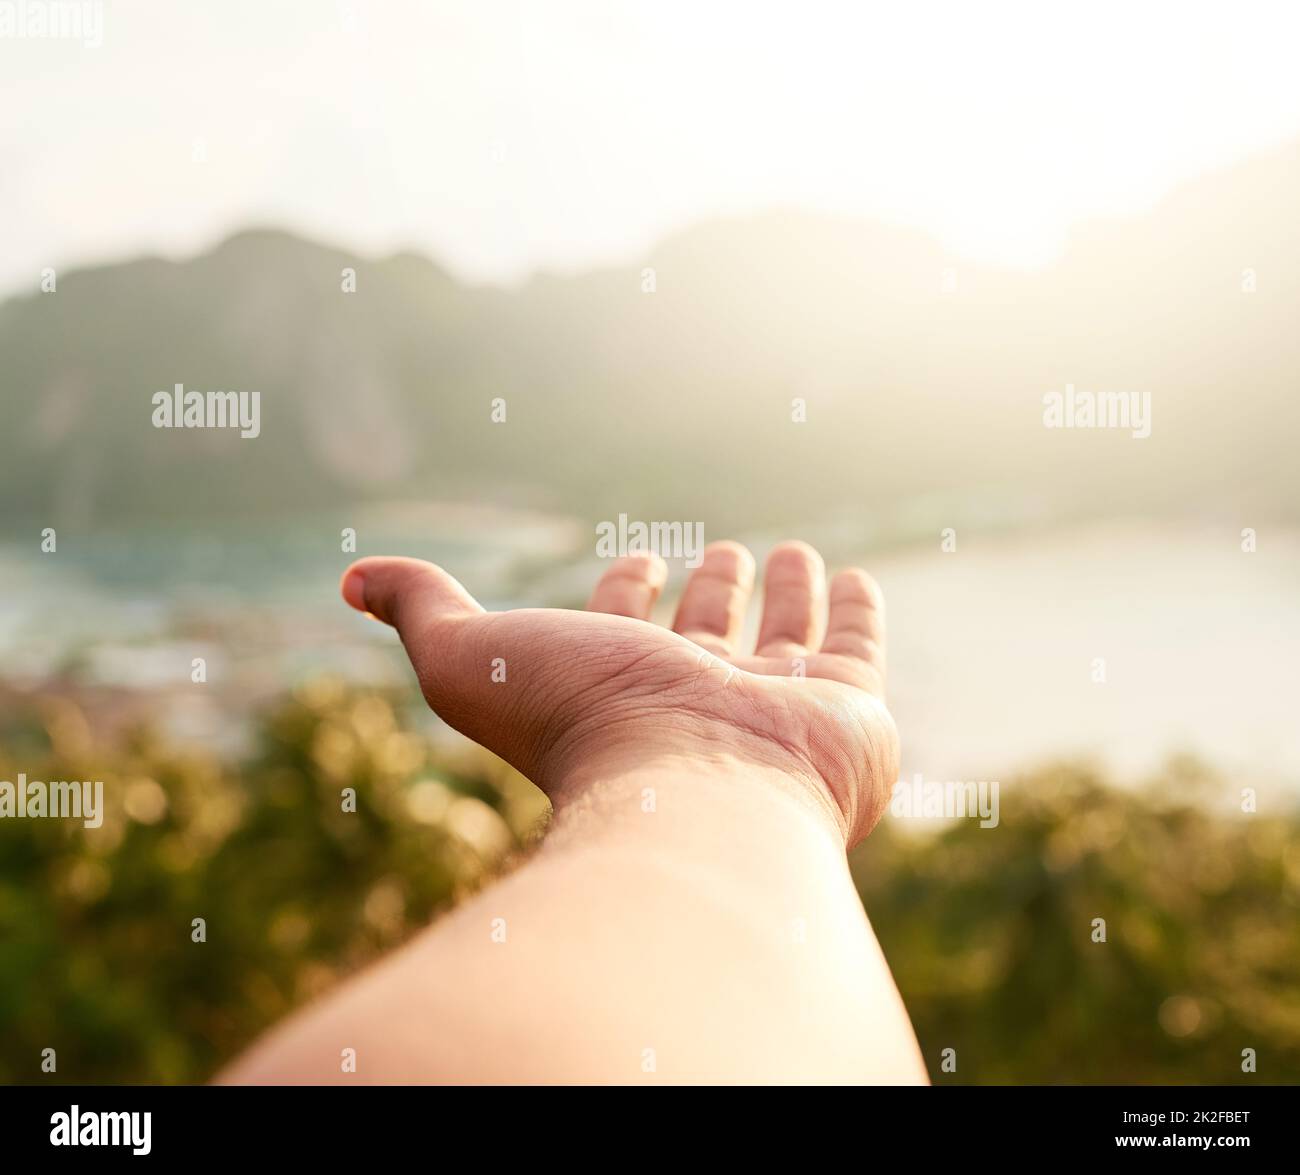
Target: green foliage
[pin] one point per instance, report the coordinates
(96, 942)
(989, 932)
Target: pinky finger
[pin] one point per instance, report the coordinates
(856, 625)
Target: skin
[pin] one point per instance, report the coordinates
(690, 915)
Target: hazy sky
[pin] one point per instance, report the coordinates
(503, 137)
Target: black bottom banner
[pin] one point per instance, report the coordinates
(335, 1125)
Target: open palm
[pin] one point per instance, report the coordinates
(565, 695)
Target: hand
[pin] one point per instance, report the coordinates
(570, 698)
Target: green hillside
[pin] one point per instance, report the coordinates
(622, 400)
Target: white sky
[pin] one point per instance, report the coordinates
(501, 137)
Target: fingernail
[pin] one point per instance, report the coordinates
(354, 590)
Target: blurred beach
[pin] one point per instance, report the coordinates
(1124, 643)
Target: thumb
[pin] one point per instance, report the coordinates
(409, 594)
(428, 608)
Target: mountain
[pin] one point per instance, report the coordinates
(924, 402)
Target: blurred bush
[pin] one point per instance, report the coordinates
(989, 932)
(96, 947)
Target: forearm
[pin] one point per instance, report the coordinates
(682, 921)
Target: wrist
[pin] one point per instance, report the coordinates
(843, 765)
(678, 788)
